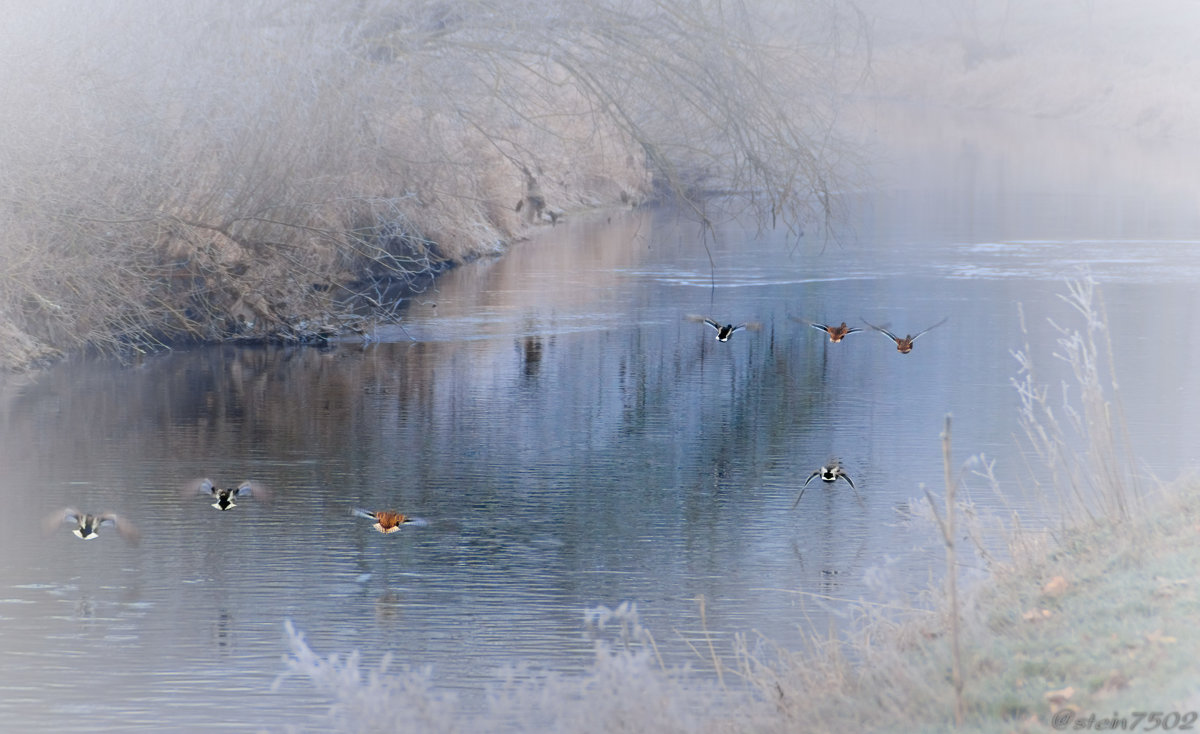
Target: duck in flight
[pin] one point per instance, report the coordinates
(225, 496)
(830, 472)
(87, 526)
(388, 521)
(836, 333)
(724, 331)
(904, 344)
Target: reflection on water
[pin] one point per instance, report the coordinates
(574, 441)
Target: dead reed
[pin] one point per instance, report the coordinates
(1079, 447)
(949, 537)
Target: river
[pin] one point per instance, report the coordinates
(574, 440)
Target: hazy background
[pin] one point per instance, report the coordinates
(1130, 65)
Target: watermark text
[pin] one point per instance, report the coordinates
(1067, 720)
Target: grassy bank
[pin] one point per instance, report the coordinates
(279, 169)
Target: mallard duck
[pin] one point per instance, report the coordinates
(904, 345)
(836, 333)
(830, 472)
(388, 521)
(87, 526)
(225, 496)
(724, 331)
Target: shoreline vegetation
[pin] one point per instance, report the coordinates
(277, 170)
(280, 170)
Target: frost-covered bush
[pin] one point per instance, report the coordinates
(626, 689)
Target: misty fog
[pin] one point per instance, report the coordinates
(447, 256)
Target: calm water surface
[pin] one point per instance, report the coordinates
(575, 441)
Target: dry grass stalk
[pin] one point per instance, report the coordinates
(1085, 453)
(948, 537)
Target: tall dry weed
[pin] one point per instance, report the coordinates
(1079, 446)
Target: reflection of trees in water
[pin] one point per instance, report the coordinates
(85, 608)
(223, 629)
(582, 439)
(531, 355)
(389, 607)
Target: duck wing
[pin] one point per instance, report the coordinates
(931, 328)
(197, 486)
(66, 514)
(881, 329)
(125, 529)
(253, 489)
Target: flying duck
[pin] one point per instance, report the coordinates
(87, 526)
(836, 333)
(225, 496)
(830, 472)
(904, 345)
(724, 331)
(388, 521)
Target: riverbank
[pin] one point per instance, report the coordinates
(172, 195)
(166, 197)
(1094, 619)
